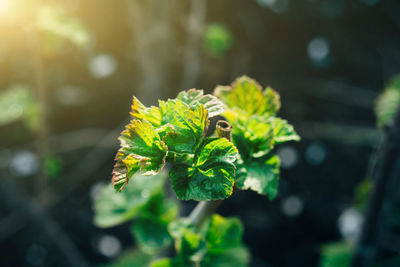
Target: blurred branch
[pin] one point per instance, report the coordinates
(343, 134)
(339, 92)
(14, 201)
(194, 33)
(385, 173)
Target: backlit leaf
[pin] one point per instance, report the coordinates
(141, 149)
(194, 98)
(183, 127)
(140, 112)
(388, 103)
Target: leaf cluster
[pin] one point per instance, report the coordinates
(202, 167)
(252, 112)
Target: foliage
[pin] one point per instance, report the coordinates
(217, 39)
(202, 168)
(18, 103)
(336, 254)
(388, 103)
(256, 131)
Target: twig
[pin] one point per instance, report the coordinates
(384, 172)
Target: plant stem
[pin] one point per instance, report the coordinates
(205, 209)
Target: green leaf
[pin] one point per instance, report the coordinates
(183, 127)
(150, 230)
(194, 98)
(53, 20)
(141, 112)
(283, 131)
(223, 233)
(388, 103)
(18, 103)
(151, 235)
(211, 176)
(132, 258)
(246, 96)
(336, 254)
(112, 209)
(260, 175)
(141, 149)
(217, 39)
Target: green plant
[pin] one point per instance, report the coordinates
(204, 167)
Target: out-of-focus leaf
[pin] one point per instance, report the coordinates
(259, 175)
(183, 127)
(223, 233)
(113, 209)
(388, 103)
(194, 98)
(53, 20)
(361, 194)
(52, 166)
(217, 39)
(218, 243)
(132, 258)
(141, 149)
(211, 176)
(150, 230)
(151, 235)
(336, 254)
(18, 103)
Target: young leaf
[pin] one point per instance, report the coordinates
(223, 233)
(141, 112)
(259, 175)
(141, 149)
(246, 95)
(211, 176)
(194, 98)
(183, 127)
(112, 209)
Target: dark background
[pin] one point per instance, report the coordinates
(328, 59)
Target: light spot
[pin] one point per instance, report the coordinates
(315, 154)
(109, 246)
(289, 156)
(318, 49)
(292, 206)
(36, 254)
(145, 193)
(24, 163)
(371, 2)
(102, 66)
(349, 224)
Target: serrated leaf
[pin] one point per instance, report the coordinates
(283, 131)
(183, 127)
(141, 149)
(141, 112)
(211, 176)
(194, 98)
(246, 95)
(112, 209)
(259, 175)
